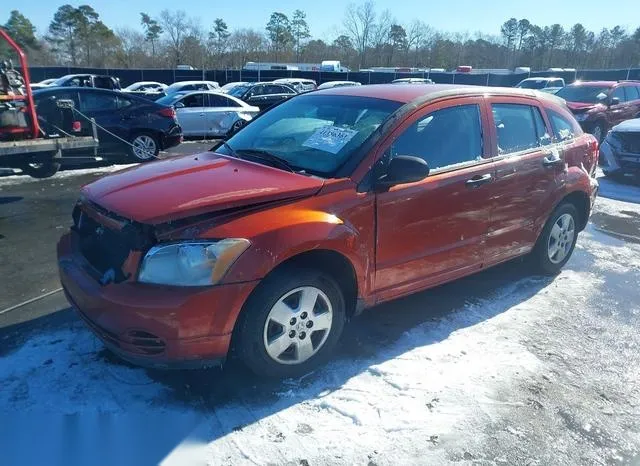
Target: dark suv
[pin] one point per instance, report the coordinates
(600, 105)
(263, 95)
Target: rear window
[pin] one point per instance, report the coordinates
(563, 128)
(519, 127)
(633, 92)
(533, 84)
(93, 101)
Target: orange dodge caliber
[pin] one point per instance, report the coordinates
(327, 204)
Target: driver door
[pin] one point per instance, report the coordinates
(434, 230)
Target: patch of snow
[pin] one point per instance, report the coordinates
(19, 179)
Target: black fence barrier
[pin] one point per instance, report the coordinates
(129, 76)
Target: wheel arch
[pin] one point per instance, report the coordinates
(581, 202)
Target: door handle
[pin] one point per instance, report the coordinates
(552, 161)
(479, 180)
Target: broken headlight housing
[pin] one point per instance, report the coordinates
(193, 263)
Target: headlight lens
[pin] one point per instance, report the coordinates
(190, 263)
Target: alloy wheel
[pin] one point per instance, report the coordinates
(561, 238)
(298, 325)
(144, 147)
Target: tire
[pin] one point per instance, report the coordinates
(41, 170)
(261, 338)
(144, 147)
(598, 131)
(237, 126)
(546, 261)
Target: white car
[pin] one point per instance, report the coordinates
(207, 113)
(412, 81)
(299, 84)
(551, 85)
(182, 86)
(227, 87)
(330, 84)
(145, 86)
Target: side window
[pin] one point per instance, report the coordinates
(443, 138)
(194, 100)
(563, 129)
(257, 90)
(544, 138)
(188, 87)
(516, 127)
(633, 93)
(619, 93)
(557, 83)
(123, 102)
(220, 101)
(94, 101)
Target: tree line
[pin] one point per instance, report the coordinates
(366, 37)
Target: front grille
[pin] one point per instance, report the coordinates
(630, 142)
(104, 249)
(107, 249)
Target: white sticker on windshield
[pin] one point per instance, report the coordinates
(330, 139)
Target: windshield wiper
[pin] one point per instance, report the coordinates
(266, 156)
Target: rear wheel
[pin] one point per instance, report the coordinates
(41, 170)
(237, 126)
(557, 240)
(291, 324)
(144, 147)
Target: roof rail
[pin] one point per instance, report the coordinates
(629, 80)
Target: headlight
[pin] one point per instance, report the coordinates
(190, 263)
(581, 116)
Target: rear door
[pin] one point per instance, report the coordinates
(103, 106)
(527, 164)
(632, 92)
(620, 111)
(191, 114)
(221, 114)
(434, 230)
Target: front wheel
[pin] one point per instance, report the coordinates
(291, 324)
(557, 240)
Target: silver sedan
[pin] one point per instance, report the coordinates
(207, 113)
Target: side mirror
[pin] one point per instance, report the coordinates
(179, 105)
(615, 100)
(404, 169)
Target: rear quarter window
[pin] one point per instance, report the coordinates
(564, 128)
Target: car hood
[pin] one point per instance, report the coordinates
(182, 187)
(581, 107)
(629, 126)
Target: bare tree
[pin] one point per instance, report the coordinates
(131, 51)
(358, 25)
(247, 45)
(177, 26)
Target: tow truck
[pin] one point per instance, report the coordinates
(27, 140)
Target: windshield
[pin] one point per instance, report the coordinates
(314, 133)
(586, 94)
(170, 99)
(533, 84)
(238, 91)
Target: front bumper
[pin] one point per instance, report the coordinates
(615, 161)
(153, 326)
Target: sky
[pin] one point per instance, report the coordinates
(325, 16)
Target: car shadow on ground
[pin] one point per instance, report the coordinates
(231, 398)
